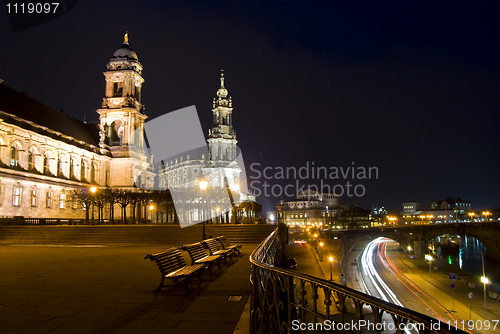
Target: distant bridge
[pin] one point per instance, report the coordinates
(488, 233)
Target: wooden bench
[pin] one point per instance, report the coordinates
(199, 255)
(215, 248)
(172, 266)
(226, 245)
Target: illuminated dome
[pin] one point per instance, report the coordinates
(125, 51)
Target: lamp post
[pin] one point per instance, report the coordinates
(471, 214)
(321, 251)
(331, 268)
(486, 214)
(151, 207)
(203, 186)
(429, 258)
(93, 190)
(484, 279)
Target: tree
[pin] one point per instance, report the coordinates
(82, 196)
(123, 199)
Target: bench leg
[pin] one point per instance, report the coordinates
(186, 285)
(158, 289)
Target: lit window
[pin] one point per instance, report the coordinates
(60, 171)
(72, 168)
(31, 160)
(33, 193)
(48, 199)
(14, 156)
(16, 196)
(83, 170)
(46, 168)
(62, 197)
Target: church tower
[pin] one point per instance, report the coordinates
(122, 119)
(222, 141)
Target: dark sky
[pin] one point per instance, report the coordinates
(409, 87)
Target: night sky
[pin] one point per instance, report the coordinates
(409, 87)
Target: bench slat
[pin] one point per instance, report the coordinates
(172, 265)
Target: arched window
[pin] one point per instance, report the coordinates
(115, 133)
(83, 170)
(93, 173)
(31, 160)
(14, 156)
(46, 166)
(60, 168)
(72, 164)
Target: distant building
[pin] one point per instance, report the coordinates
(412, 208)
(379, 208)
(310, 208)
(453, 204)
(355, 217)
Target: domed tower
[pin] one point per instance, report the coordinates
(122, 118)
(222, 140)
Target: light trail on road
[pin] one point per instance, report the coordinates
(383, 290)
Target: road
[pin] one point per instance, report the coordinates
(383, 279)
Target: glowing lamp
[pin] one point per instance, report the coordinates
(203, 184)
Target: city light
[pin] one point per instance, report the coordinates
(486, 214)
(203, 184)
(485, 280)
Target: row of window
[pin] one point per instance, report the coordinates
(17, 195)
(14, 162)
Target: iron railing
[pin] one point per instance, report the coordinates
(285, 301)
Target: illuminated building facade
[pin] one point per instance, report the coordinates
(45, 153)
(311, 208)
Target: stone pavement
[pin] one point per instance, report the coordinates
(109, 289)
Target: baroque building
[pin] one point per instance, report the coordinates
(45, 153)
(220, 164)
(310, 209)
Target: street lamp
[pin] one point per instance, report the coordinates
(429, 258)
(93, 190)
(321, 251)
(471, 214)
(331, 268)
(203, 186)
(484, 279)
(486, 214)
(217, 209)
(151, 207)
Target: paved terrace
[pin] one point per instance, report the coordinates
(108, 288)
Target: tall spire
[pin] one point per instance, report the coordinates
(222, 92)
(125, 38)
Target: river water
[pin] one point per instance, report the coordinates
(468, 257)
